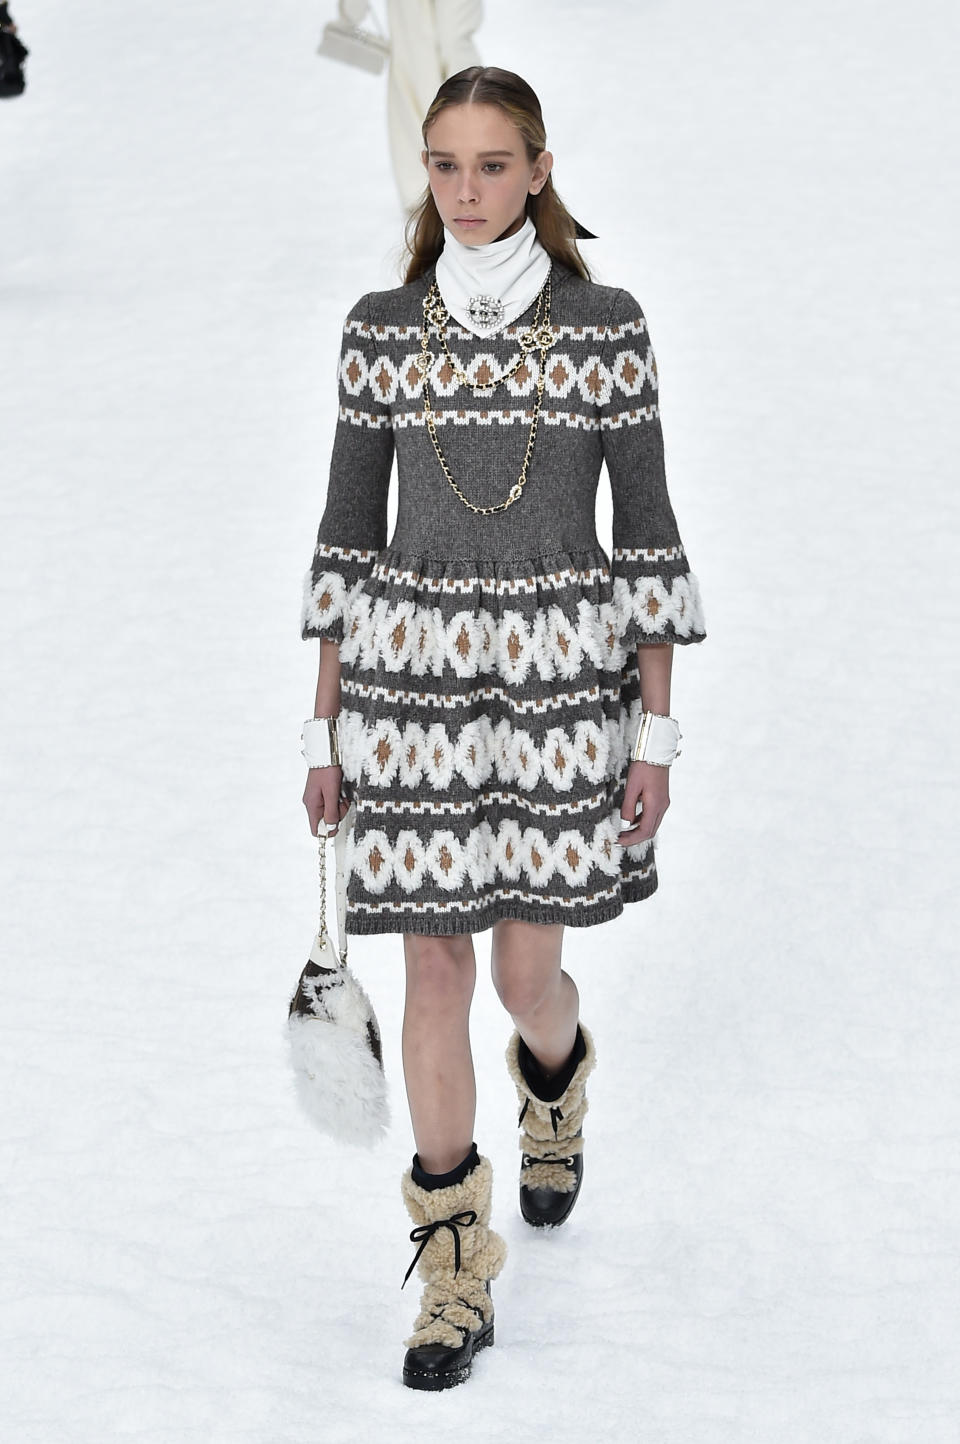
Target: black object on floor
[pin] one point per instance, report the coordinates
(12, 55)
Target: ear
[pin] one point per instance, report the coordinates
(541, 172)
(425, 159)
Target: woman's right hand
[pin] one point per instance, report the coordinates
(323, 798)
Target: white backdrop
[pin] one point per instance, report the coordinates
(767, 1244)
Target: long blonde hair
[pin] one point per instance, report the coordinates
(556, 227)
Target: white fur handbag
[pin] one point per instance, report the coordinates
(333, 1031)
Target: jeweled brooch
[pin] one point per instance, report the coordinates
(485, 311)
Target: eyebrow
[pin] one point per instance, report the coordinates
(482, 154)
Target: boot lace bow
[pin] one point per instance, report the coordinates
(424, 1233)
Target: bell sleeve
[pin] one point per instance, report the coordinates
(656, 594)
(353, 527)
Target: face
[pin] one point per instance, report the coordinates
(479, 173)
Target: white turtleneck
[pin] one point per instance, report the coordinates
(512, 269)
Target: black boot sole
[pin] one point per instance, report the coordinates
(433, 1366)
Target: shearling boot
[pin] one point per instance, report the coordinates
(457, 1257)
(551, 1114)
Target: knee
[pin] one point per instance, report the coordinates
(441, 971)
(525, 964)
(520, 990)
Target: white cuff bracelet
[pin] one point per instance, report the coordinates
(321, 741)
(657, 740)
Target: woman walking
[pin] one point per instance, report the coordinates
(496, 687)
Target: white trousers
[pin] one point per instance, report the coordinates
(429, 41)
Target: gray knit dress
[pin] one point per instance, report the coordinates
(489, 682)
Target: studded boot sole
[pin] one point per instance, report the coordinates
(435, 1366)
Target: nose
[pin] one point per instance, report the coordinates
(468, 188)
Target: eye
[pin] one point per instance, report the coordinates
(494, 165)
(443, 164)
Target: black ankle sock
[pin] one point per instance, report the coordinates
(423, 1179)
(548, 1090)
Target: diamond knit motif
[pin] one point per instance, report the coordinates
(489, 652)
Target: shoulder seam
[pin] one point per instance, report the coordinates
(364, 318)
(613, 305)
(606, 327)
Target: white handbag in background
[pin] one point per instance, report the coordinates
(346, 40)
(334, 1036)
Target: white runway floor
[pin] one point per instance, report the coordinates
(767, 1247)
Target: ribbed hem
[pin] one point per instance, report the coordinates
(434, 926)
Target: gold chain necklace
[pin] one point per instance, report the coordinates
(538, 337)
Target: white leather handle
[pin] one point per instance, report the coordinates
(340, 852)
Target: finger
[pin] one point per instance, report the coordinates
(626, 821)
(643, 831)
(314, 816)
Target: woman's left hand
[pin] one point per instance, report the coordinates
(646, 798)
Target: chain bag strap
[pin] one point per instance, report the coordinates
(332, 1028)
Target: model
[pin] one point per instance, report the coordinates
(495, 687)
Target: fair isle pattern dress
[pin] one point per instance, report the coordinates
(489, 680)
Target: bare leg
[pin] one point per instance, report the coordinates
(540, 997)
(437, 1062)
